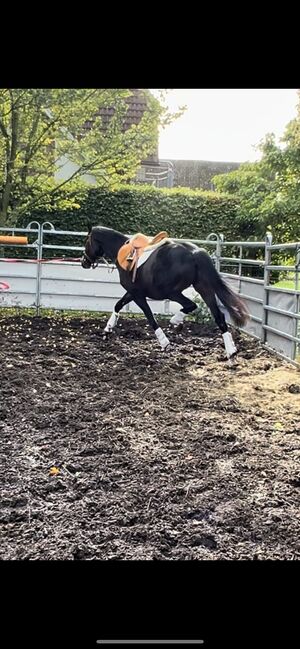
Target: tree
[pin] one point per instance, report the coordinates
(42, 128)
(268, 191)
(250, 185)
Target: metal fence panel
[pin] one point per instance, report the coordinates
(283, 323)
(21, 278)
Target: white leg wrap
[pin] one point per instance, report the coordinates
(111, 323)
(230, 347)
(177, 318)
(162, 339)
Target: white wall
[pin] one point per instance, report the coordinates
(66, 168)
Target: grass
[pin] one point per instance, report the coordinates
(286, 283)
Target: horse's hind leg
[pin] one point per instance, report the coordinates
(188, 307)
(111, 323)
(210, 299)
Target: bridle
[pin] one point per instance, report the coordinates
(93, 262)
(96, 261)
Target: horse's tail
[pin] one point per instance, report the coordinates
(231, 301)
(236, 307)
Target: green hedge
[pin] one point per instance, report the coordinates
(184, 213)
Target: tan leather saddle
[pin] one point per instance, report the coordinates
(132, 250)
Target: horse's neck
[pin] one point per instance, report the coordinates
(112, 243)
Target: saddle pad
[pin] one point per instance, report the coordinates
(149, 250)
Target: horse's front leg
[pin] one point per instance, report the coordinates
(140, 300)
(111, 323)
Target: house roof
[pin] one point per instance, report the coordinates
(137, 104)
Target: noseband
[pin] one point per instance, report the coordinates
(94, 263)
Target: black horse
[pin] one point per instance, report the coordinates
(169, 270)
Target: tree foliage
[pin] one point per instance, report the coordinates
(41, 129)
(268, 191)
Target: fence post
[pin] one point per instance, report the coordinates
(39, 269)
(38, 253)
(40, 257)
(268, 255)
(240, 267)
(217, 254)
(296, 331)
(297, 269)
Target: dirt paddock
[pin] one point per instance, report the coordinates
(111, 449)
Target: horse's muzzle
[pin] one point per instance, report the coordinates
(85, 263)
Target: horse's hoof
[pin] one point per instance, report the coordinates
(232, 360)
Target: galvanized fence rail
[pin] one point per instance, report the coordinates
(61, 283)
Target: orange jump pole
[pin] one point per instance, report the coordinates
(12, 239)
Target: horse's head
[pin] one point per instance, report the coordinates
(102, 243)
(92, 252)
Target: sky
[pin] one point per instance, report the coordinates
(225, 125)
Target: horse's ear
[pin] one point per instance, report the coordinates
(89, 229)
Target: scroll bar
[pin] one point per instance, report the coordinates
(153, 642)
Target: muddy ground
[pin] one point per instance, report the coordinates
(111, 449)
